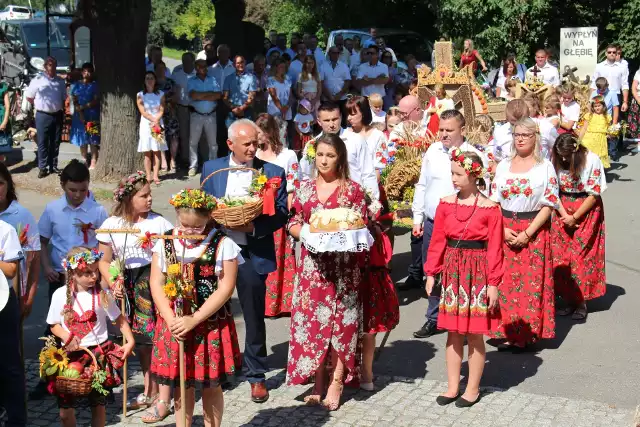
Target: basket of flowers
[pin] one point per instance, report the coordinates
(92, 128)
(237, 211)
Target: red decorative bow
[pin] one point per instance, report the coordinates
(269, 195)
(145, 241)
(84, 229)
(23, 236)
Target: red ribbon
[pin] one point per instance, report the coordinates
(23, 235)
(146, 242)
(85, 228)
(269, 196)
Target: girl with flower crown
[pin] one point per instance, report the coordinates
(126, 265)
(78, 316)
(192, 281)
(465, 253)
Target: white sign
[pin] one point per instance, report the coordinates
(82, 40)
(579, 49)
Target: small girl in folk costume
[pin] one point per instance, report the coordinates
(466, 251)
(437, 104)
(578, 232)
(304, 126)
(130, 278)
(199, 277)
(78, 316)
(593, 133)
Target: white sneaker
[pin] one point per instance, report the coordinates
(192, 172)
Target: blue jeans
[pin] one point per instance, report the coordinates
(612, 147)
(434, 298)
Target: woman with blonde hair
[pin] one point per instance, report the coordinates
(470, 56)
(309, 85)
(526, 187)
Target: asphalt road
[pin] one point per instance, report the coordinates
(598, 360)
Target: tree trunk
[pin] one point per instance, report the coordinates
(118, 36)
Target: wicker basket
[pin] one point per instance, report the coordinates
(236, 216)
(76, 386)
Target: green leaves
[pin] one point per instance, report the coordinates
(198, 19)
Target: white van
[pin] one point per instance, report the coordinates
(15, 12)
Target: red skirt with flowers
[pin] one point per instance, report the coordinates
(579, 254)
(526, 295)
(280, 282)
(211, 352)
(300, 140)
(381, 309)
(108, 355)
(463, 300)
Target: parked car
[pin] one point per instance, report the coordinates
(15, 12)
(402, 42)
(23, 45)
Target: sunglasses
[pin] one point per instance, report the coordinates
(612, 51)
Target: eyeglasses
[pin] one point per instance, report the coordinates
(523, 135)
(612, 51)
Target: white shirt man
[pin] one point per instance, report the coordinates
(221, 72)
(334, 75)
(616, 73)
(361, 168)
(547, 72)
(373, 75)
(180, 77)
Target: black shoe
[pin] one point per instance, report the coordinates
(40, 392)
(410, 283)
(444, 400)
(512, 348)
(428, 329)
(43, 173)
(56, 171)
(464, 403)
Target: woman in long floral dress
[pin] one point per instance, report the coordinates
(526, 186)
(280, 282)
(326, 317)
(578, 234)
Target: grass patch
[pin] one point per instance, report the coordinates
(102, 193)
(172, 53)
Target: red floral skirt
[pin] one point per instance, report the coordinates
(108, 357)
(280, 282)
(211, 352)
(579, 254)
(463, 300)
(381, 309)
(526, 295)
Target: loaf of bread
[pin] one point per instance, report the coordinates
(338, 219)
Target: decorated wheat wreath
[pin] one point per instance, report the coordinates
(239, 211)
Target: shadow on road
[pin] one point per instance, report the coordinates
(505, 369)
(308, 416)
(406, 358)
(605, 302)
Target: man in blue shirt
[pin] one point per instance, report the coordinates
(204, 92)
(239, 91)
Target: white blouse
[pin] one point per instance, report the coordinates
(591, 181)
(377, 146)
(135, 254)
(81, 304)
(525, 192)
(227, 251)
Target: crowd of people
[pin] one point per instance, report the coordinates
(500, 230)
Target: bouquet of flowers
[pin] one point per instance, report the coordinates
(157, 132)
(614, 130)
(178, 289)
(92, 128)
(309, 152)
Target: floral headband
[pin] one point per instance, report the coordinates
(598, 98)
(82, 260)
(126, 189)
(195, 199)
(471, 166)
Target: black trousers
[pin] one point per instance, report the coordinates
(12, 382)
(251, 292)
(49, 127)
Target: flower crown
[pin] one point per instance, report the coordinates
(82, 260)
(471, 166)
(128, 186)
(194, 199)
(598, 98)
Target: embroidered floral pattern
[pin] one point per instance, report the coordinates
(516, 187)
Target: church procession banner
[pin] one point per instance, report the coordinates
(579, 49)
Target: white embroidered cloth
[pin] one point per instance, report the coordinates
(336, 241)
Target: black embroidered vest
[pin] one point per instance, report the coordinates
(203, 271)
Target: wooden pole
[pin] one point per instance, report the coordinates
(183, 388)
(124, 367)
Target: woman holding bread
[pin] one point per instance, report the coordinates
(326, 311)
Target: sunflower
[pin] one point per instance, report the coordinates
(173, 270)
(170, 290)
(262, 180)
(57, 357)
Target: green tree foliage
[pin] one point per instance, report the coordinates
(163, 18)
(198, 19)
